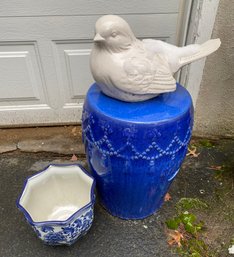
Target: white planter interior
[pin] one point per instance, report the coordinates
(56, 193)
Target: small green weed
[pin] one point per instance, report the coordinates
(190, 203)
(206, 143)
(195, 248)
(187, 230)
(188, 220)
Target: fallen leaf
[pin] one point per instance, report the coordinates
(192, 152)
(167, 197)
(74, 158)
(215, 167)
(176, 238)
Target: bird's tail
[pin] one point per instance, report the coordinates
(205, 49)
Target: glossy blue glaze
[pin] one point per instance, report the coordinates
(135, 149)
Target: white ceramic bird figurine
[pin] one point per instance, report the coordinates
(133, 70)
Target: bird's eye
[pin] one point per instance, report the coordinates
(113, 34)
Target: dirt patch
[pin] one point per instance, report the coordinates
(61, 139)
(18, 134)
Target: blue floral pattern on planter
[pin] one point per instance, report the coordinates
(67, 233)
(46, 229)
(54, 238)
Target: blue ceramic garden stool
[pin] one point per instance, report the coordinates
(134, 150)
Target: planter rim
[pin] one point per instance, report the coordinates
(56, 222)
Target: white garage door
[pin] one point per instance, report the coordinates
(45, 46)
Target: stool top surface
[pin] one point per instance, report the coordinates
(161, 108)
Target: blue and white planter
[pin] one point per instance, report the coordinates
(136, 149)
(58, 203)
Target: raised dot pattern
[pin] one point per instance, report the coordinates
(173, 147)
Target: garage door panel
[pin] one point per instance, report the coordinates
(77, 64)
(21, 77)
(84, 7)
(70, 27)
(45, 48)
(72, 65)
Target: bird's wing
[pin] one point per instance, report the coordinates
(148, 76)
(170, 52)
(180, 56)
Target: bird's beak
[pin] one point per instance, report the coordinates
(98, 38)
